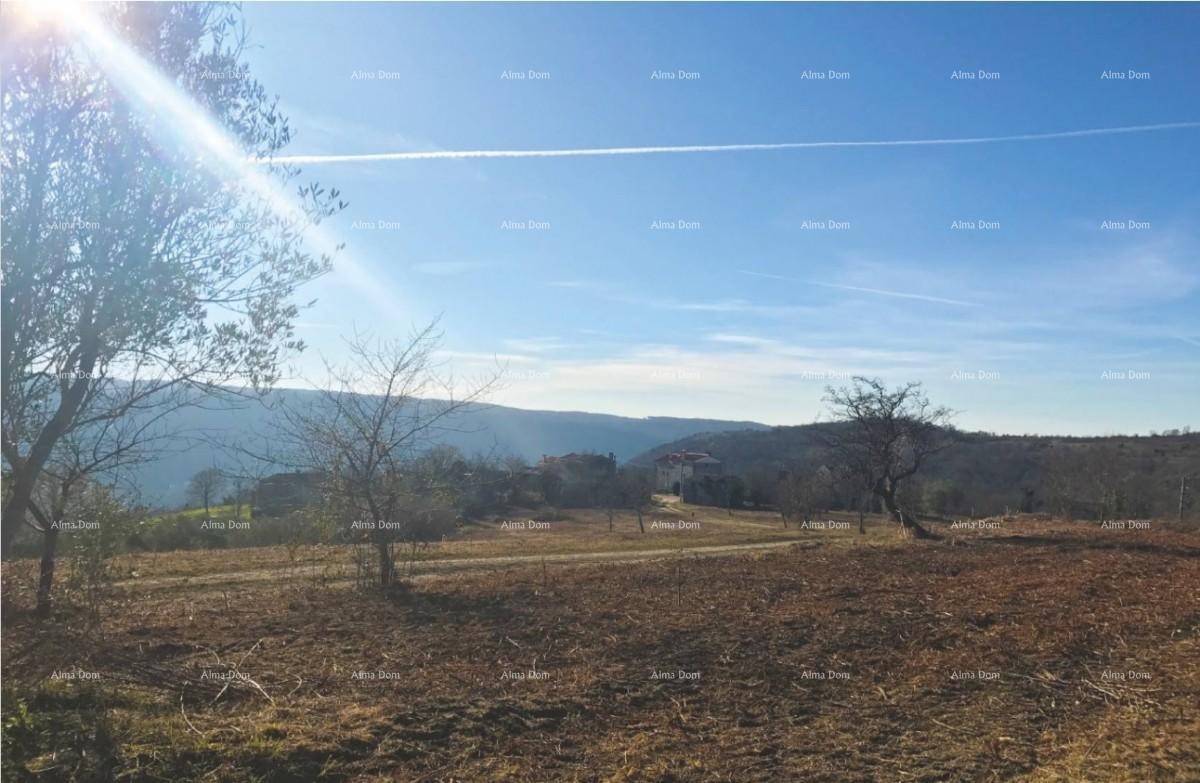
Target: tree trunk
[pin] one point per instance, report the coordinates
(46, 578)
(14, 509)
(1183, 485)
(25, 475)
(907, 521)
(641, 524)
(387, 568)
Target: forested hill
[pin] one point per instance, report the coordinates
(483, 429)
(990, 472)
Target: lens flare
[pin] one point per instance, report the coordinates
(175, 113)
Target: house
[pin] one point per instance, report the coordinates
(575, 479)
(672, 471)
(580, 465)
(283, 492)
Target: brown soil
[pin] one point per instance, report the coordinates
(1034, 650)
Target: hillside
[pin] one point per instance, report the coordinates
(989, 473)
(484, 429)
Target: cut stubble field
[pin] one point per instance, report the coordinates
(1035, 650)
(501, 541)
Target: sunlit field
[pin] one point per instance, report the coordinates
(505, 540)
(1031, 650)
(634, 392)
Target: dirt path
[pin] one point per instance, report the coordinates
(430, 567)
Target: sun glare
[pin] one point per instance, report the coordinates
(193, 131)
(37, 13)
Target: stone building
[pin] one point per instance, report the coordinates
(674, 470)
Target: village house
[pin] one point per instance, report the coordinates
(673, 471)
(285, 492)
(577, 477)
(575, 466)
(580, 467)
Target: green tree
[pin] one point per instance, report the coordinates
(135, 278)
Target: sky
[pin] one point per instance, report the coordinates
(1043, 285)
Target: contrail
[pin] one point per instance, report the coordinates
(597, 151)
(880, 292)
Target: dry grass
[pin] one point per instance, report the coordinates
(1048, 606)
(585, 531)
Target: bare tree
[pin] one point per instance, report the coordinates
(116, 295)
(1105, 477)
(1089, 481)
(109, 520)
(635, 487)
(852, 484)
(1185, 495)
(887, 437)
(244, 469)
(514, 469)
(206, 486)
(367, 431)
(804, 490)
(1062, 481)
(239, 492)
(101, 450)
(603, 491)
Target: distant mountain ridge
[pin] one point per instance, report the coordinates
(483, 428)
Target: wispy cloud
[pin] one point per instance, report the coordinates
(740, 339)
(787, 381)
(534, 344)
(476, 357)
(861, 289)
(613, 293)
(897, 294)
(377, 157)
(447, 268)
(719, 306)
(1147, 273)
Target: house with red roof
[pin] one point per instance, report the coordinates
(673, 470)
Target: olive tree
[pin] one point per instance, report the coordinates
(133, 277)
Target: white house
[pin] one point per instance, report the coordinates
(671, 470)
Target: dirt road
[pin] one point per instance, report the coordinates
(430, 567)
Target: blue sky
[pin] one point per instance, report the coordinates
(743, 310)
